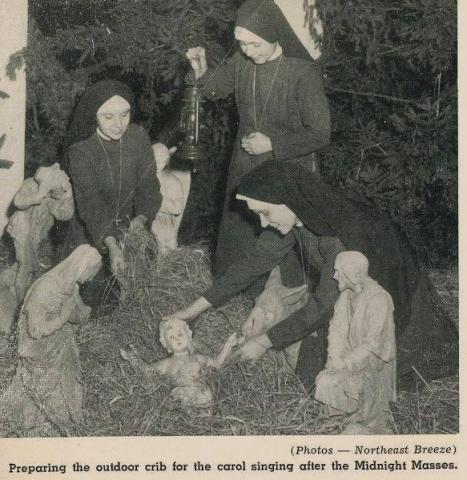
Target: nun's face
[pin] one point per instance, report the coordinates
(279, 217)
(113, 117)
(255, 48)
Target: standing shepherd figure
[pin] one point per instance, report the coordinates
(46, 390)
(360, 373)
(283, 110)
(111, 166)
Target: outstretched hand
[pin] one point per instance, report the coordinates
(191, 312)
(117, 263)
(117, 260)
(233, 341)
(253, 349)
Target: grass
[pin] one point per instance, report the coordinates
(265, 399)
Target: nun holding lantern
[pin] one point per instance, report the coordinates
(280, 97)
(111, 167)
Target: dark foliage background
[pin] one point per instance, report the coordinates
(390, 73)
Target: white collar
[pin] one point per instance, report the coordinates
(102, 135)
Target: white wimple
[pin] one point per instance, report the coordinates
(296, 17)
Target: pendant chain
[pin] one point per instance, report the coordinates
(117, 213)
(258, 126)
(306, 272)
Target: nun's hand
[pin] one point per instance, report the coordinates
(256, 143)
(138, 223)
(253, 349)
(117, 261)
(197, 58)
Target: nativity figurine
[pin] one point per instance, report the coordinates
(175, 187)
(185, 368)
(46, 392)
(273, 305)
(40, 201)
(360, 373)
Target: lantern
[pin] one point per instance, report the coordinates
(189, 149)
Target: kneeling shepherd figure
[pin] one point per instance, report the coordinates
(360, 373)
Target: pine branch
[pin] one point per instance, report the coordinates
(372, 94)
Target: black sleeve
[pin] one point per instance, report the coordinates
(269, 250)
(301, 323)
(219, 82)
(318, 311)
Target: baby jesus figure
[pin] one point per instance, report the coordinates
(185, 368)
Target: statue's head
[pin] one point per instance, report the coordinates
(53, 179)
(350, 270)
(47, 174)
(175, 336)
(162, 155)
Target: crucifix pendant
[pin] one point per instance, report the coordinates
(117, 222)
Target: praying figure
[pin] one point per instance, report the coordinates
(185, 368)
(40, 201)
(360, 373)
(46, 392)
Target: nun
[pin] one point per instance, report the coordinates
(283, 111)
(111, 168)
